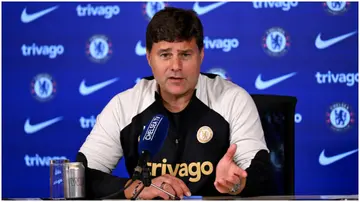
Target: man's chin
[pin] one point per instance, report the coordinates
(177, 91)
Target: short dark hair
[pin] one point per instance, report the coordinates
(174, 24)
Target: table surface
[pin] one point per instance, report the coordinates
(284, 197)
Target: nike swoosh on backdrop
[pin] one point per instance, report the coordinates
(26, 18)
(29, 129)
(201, 10)
(87, 90)
(322, 44)
(261, 85)
(139, 49)
(324, 160)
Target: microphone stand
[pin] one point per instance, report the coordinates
(145, 178)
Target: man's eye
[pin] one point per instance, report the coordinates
(165, 55)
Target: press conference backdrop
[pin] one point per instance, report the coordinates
(63, 62)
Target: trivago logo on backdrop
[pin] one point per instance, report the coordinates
(283, 5)
(99, 10)
(87, 122)
(349, 79)
(224, 44)
(40, 161)
(51, 51)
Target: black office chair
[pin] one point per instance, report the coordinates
(277, 119)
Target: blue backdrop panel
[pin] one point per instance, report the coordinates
(63, 62)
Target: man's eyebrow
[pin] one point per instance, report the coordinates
(189, 50)
(164, 50)
(186, 50)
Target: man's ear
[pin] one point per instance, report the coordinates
(202, 55)
(148, 57)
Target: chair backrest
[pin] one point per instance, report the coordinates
(277, 118)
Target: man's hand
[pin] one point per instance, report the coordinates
(167, 182)
(228, 174)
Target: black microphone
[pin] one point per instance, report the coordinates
(151, 140)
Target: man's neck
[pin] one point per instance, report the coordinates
(176, 103)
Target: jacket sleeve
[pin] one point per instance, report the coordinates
(99, 184)
(101, 152)
(252, 153)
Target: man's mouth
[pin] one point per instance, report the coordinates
(176, 78)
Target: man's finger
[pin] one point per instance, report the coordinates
(240, 172)
(221, 188)
(234, 179)
(174, 183)
(178, 190)
(230, 152)
(236, 170)
(183, 186)
(169, 189)
(225, 184)
(161, 194)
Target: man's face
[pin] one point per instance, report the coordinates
(175, 65)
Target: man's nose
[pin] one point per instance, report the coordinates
(176, 64)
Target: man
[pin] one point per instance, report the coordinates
(215, 144)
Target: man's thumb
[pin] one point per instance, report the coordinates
(231, 151)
